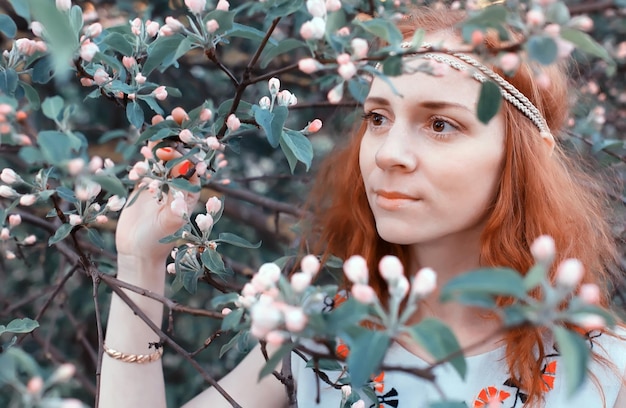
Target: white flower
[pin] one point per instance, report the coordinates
(204, 222)
(274, 86)
(195, 6)
(355, 269)
(300, 281)
(317, 8)
(63, 5)
(569, 273)
(390, 268)
(9, 176)
(213, 205)
(115, 203)
(425, 282)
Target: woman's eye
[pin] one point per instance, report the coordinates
(442, 126)
(374, 119)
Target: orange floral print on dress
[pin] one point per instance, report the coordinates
(487, 395)
(548, 376)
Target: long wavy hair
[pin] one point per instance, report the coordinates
(538, 193)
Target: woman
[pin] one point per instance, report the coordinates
(426, 181)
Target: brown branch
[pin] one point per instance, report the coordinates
(257, 199)
(589, 7)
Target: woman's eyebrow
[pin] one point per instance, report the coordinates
(379, 101)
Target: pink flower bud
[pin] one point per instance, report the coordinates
(477, 37)
(101, 77)
(300, 281)
(313, 29)
(7, 192)
(583, 23)
(166, 31)
(295, 319)
(30, 240)
(425, 282)
(204, 222)
(233, 123)
(569, 273)
(212, 26)
(535, 18)
(333, 5)
(171, 268)
(37, 28)
(343, 58)
(35, 385)
(590, 293)
(152, 28)
(75, 219)
(10, 255)
(265, 317)
(186, 136)
(213, 205)
(363, 293)
(179, 205)
(135, 26)
(205, 115)
(15, 220)
(173, 24)
(275, 338)
(509, 62)
(28, 200)
(314, 126)
(9, 176)
(88, 50)
(265, 102)
(93, 30)
(213, 143)
(273, 86)
(347, 71)
(343, 32)
(86, 82)
(222, 5)
(553, 30)
(195, 6)
(308, 65)
(115, 203)
(102, 219)
(5, 234)
(269, 271)
(6, 109)
(286, 98)
(63, 373)
(543, 249)
(160, 93)
(359, 404)
(390, 268)
(26, 46)
(140, 79)
(359, 47)
(590, 321)
(129, 62)
(63, 5)
(310, 265)
(334, 95)
(317, 8)
(355, 269)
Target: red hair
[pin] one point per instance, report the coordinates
(538, 194)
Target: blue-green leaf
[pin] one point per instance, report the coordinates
(575, 354)
(489, 101)
(8, 81)
(7, 26)
(213, 261)
(231, 320)
(236, 240)
(21, 9)
(491, 281)
(52, 107)
(439, 341)
(367, 351)
(24, 325)
(382, 28)
(134, 114)
(299, 145)
(542, 48)
(276, 358)
(63, 231)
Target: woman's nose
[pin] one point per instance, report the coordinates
(395, 151)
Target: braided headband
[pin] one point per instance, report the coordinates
(508, 91)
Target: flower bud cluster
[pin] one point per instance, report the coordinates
(315, 28)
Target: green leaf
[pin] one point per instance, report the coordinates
(56, 147)
(134, 114)
(76, 19)
(118, 42)
(276, 358)
(585, 43)
(367, 351)
(8, 81)
(52, 107)
(213, 261)
(535, 276)
(299, 145)
(43, 70)
(224, 19)
(160, 53)
(24, 325)
(184, 184)
(490, 281)
(358, 88)
(575, 354)
(542, 48)
(284, 8)
(439, 341)
(236, 240)
(231, 343)
(63, 231)
(489, 101)
(264, 118)
(270, 53)
(382, 28)
(250, 33)
(558, 12)
(392, 66)
(21, 9)
(232, 320)
(95, 238)
(31, 94)
(325, 364)
(111, 184)
(7, 26)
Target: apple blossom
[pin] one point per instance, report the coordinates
(313, 29)
(355, 269)
(333, 5)
(233, 123)
(300, 281)
(590, 293)
(509, 62)
(26, 46)
(204, 222)
(206, 115)
(7, 192)
(63, 5)
(166, 31)
(308, 65)
(275, 338)
(274, 86)
(129, 62)
(295, 319)
(343, 32)
(359, 47)
(10, 255)
(543, 249)
(265, 102)
(390, 268)
(5, 109)
(37, 28)
(335, 94)
(179, 205)
(363, 293)
(213, 142)
(115, 203)
(186, 136)
(75, 219)
(265, 317)
(135, 26)
(286, 98)
(9, 176)
(35, 385)
(317, 8)
(93, 30)
(347, 71)
(87, 190)
(535, 18)
(569, 273)
(15, 220)
(212, 26)
(213, 205)
(28, 199)
(100, 77)
(195, 6)
(160, 93)
(222, 5)
(310, 265)
(101, 219)
(5, 234)
(140, 79)
(343, 58)
(268, 272)
(173, 23)
(29, 240)
(425, 282)
(152, 28)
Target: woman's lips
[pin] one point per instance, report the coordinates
(392, 200)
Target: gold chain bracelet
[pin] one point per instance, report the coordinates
(134, 358)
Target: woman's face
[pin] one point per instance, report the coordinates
(429, 166)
